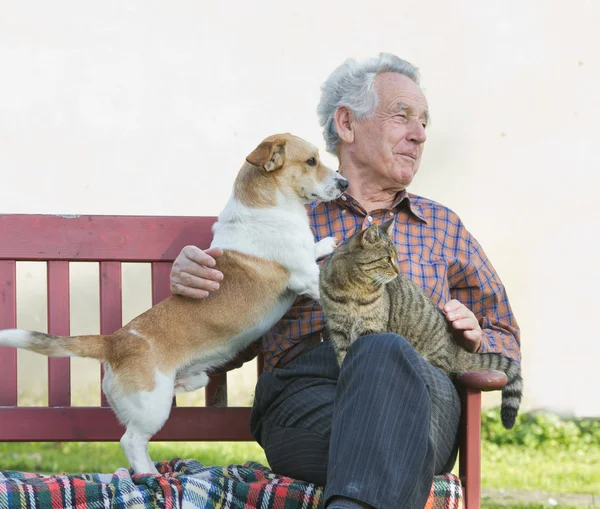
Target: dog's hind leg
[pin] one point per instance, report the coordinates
(191, 378)
(144, 414)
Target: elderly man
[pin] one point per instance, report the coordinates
(377, 431)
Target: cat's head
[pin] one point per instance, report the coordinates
(370, 254)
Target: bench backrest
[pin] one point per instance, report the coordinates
(109, 240)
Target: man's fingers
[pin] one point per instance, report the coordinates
(202, 279)
(194, 293)
(460, 313)
(466, 324)
(205, 258)
(215, 252)
(198, 271)
(453, 305)
(193, 274)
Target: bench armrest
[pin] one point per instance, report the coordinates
(482, 380)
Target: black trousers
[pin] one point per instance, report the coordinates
(377, 430)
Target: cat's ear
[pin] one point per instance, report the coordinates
(369, 236)
(385, 227)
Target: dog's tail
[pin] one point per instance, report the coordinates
(95, 347)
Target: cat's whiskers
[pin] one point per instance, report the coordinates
(381, 279)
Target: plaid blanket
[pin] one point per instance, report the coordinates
(184, 484)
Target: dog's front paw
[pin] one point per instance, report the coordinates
(314, 293)
(325, 246)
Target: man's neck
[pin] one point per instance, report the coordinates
(369, 193)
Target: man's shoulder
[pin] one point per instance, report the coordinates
(431, 209)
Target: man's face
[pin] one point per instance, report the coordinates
(390, 143)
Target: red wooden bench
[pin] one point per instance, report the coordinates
(111, 240)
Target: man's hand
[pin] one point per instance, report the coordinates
(468, 333)
(192, 275)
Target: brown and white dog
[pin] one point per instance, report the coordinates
(269, 258)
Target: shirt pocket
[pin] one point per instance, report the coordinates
(431, 275)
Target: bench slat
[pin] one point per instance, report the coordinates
(8, 320)
(160, 281)
(111, 312)
(98, 238)
(216, 391)
(96, 424)
(59, 369)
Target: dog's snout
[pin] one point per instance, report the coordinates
(342, 184)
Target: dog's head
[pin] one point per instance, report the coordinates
(294, 167)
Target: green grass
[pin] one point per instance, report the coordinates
(550, 469)
(492, 505)
(77, 457)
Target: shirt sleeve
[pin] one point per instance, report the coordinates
(241, 358)
(474, 282)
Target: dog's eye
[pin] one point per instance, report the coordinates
(311, 162)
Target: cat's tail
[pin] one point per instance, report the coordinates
(512, 392)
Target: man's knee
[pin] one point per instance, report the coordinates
(384, 349)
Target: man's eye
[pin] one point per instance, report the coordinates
(311, 162)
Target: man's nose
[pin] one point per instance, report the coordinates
(417, 132)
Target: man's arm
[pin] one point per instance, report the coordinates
(475, 284)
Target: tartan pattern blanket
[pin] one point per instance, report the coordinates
(184, 484)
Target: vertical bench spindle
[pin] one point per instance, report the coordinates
(8, 320)
(59, 369)
(111, 312)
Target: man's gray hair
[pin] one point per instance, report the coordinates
(352, 85)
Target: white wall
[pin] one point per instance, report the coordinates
(147, 107)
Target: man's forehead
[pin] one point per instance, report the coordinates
(397, 91)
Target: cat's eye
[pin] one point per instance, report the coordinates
(311, 162)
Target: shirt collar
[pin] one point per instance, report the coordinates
(411, 201)
(403, 200)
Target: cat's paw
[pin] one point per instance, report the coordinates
(325, 246)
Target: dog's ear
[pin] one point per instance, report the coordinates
(269, 155)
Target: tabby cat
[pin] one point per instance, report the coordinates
(362, 292)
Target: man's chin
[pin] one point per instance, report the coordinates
(404, 176)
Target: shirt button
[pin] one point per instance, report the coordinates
(391, 213)
(370, 219)
(343, 211)
(344, 198)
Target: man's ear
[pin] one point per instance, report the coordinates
(344, 123)
(269, 155)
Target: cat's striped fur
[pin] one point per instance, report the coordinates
(362, 292)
